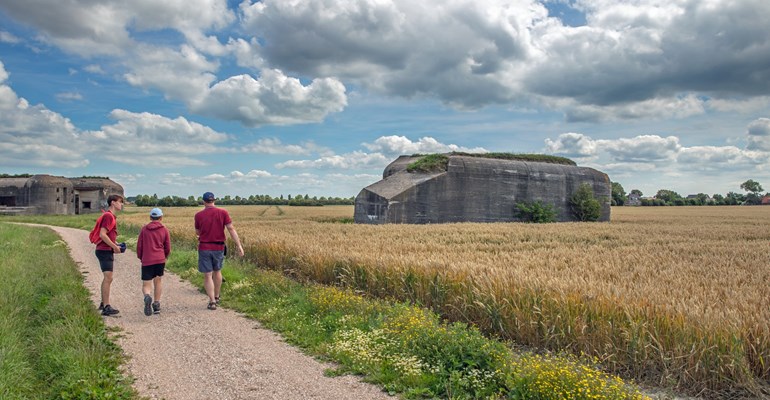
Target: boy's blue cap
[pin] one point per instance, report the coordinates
(156, 212)
(208, 196)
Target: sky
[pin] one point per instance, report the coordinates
(316, 97)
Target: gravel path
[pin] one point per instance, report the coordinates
(189, 352)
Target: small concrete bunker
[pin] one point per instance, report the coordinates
(475, 189)
(47, 194)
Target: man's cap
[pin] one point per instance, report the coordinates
(156, 212)
(208, 196)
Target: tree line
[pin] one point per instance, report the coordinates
(667, 197)
(144, 200)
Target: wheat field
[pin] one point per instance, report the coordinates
(667, 295)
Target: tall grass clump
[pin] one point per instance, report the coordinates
(53, 345)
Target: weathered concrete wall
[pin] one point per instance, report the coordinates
(51, 194)
(46, 194)
(475, 190)
(93, 192)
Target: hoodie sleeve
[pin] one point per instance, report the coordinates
(139, 245)
(167, 243)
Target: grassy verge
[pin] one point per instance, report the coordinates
(53, 345)
(405, 349)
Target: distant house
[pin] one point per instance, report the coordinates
(765, 200)
(634, 200)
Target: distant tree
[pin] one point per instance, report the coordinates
(618, 194)
(751, 186)
(733, 198)
(636, 192)
(669, 196)
(703, 198)
(754, 188)
(584, 205)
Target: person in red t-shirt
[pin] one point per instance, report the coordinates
(210, 224)
(106, 249)
(153, 247)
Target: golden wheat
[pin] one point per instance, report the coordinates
(697, 273)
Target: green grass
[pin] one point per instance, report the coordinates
(53, 343)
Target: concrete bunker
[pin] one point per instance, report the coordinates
(475, 189)
(47, 194)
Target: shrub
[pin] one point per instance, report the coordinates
(584, 205)
(536, 211)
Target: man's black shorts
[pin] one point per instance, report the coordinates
(152, 271)
(106, 259)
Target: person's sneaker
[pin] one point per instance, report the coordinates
(147, 305)
(212, 305)
(156, 307)
(108, 310)
(101, 306)
(216, 300)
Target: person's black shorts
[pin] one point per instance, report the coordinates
(106, 259)
(152, 271)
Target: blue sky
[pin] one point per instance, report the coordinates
(318, 96)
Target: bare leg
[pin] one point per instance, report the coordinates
(208, 284)
(106, 282)
(158, 287)
(146, 287)
(217, 277)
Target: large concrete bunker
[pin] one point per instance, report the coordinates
(46, 194)
(475, 189)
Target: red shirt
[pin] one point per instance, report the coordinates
(210, 222)
(107, 221)
(154, 244)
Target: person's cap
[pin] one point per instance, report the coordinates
(208, 196)
(156, 212)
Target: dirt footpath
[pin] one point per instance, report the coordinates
(189, 352)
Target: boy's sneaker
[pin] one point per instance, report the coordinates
(108, 310)
(212, 305)
(147, 305)
(101, 306)
(156, 307)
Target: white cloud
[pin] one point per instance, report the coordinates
(632, 60)
(273, 99)
(401, 145)
(275, 146)
(7, 37)
(33, 136)
(68, 96)
(571, 145)
(759, 135)
(254, 174)
(641, 148)
(183, 75)
(94, 69)
(357, 159)
(153, 140)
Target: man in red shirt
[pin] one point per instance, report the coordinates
(210, 224)
(106, 249)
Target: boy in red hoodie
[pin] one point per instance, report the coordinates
(153, 247)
